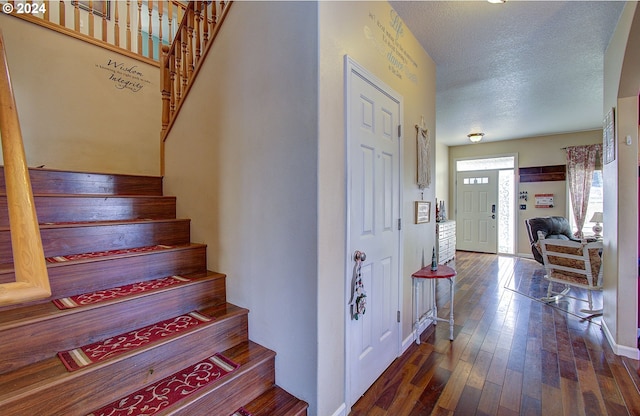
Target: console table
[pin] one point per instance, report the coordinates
(443, 272)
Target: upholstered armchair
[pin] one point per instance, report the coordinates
(550, 228)
(574, 264)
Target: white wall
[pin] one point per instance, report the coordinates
(354, 29)
(257, 160)
(242, 161)
(622, 83)
(99, 127)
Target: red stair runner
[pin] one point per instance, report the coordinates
(118, 292)
(83, 256)
(156, 397)
(93, 353)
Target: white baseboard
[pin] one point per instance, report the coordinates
(630, 352)
(424, 322)
(406, 343)
(341, 411)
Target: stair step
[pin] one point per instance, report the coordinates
(51, 181)
(66, 239)
(276, 402)
(47, 388)
(73, 278)
(80, 208)
(35, 328)
(255, 375)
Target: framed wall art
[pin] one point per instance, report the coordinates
(423, 212)
(100, 8)
(609, 137)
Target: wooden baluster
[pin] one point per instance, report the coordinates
(205, 25)
(177, 51)
(160, 40)
(190, 20)
(214, 16)
(185, 61)
(172, 74)
(76, 16)
(104, 20)
(150, 33)
(61, 12)
(139, 27)
(165, 79)
(170, 19)
(116, 27)
(91, 15)
(198, 19)
(128, 32)
(46, 10)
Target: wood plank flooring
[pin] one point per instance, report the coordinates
(511, 356)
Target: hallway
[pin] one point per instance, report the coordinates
(511, 356)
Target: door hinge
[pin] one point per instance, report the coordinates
(399, 131)
(399, 224)
(398, 316)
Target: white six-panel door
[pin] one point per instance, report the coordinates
(374, 211)
(477, 211)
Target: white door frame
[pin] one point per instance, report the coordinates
(351, 66)
(516, 184)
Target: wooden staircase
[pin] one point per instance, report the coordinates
(88, 213)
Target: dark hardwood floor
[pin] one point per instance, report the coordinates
(511, 356)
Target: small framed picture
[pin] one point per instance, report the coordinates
(609, 137)
(100, 8)
(423, 212)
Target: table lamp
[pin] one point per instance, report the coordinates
(597, 229)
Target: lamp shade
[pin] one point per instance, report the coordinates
(597, 217)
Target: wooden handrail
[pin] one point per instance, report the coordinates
(32, 279)
(182, 60)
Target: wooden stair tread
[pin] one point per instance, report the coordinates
(8, 267)
(42, 311)
(69, 208)
(62, 181)
(24, 393)
(52, 374)
(276, 402)
(42, 338)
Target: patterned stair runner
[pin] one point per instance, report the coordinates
(158, 396)
(93, 353)
(96, 254)
(118, 292)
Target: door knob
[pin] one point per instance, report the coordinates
(360, 256)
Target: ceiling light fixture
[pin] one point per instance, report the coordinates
(475, 137)
(497, 1)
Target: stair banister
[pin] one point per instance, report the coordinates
(180, 62)
(32, 279)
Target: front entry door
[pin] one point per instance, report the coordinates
(373, 117)
(477, 211)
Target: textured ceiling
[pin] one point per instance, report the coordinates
(514, 70)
